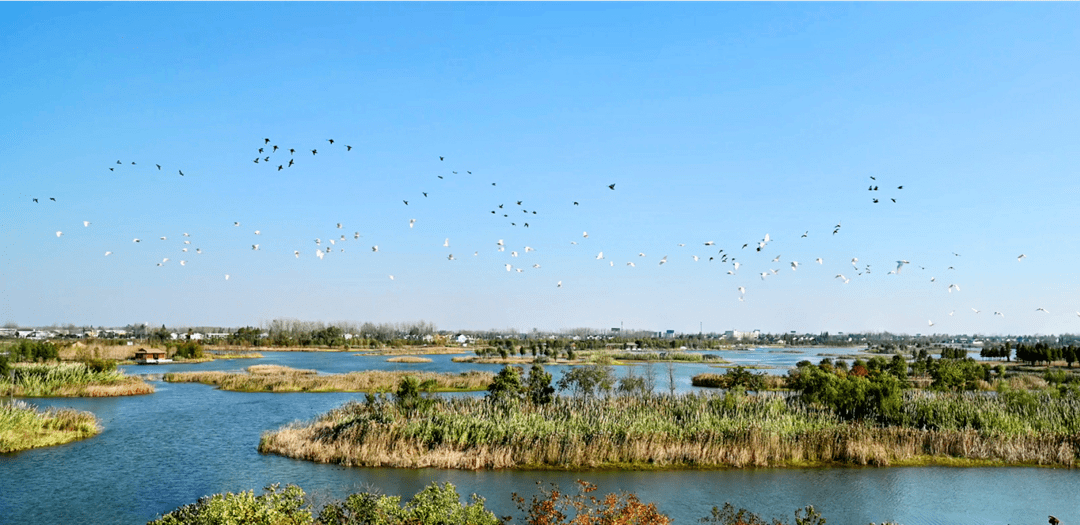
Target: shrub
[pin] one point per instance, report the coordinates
(553, 507)
(274, 507)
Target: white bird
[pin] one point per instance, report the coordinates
(343, 239)
(375, 248)
(318, 242)
(519, 270)
(356, 235)
(600, 255)
(930, 322)
(236, 224)
(611, 263)
(710, 243)
(1020, 257)
(695, 258)
(198, 250)
(1041, 309)
(159, 264)
(630, 264)
(1001, 314)
(412, 222)
(339, 225)
(509, 267)
(391, 277)
(332, 241)
(641, 255)
(513, 254)
(182, 263)
(165, 260)
(585, 234)
(450, 257)
(853, 261)
(186, 235)
(226, 277)
(952, 312)
(163, 238)
(932, 279)
(500, 243)
(681, 244)
(446, 243)
(951, 286)
(741, 299)
(742, 289)
(900, 264)
(257, 232)
(502, 248)
(296, 253)
(187, 242)
(254, 246)
(536, 266)
(328, 249)
(319, 254)
(86, 224)
(737, 265)
(558, 284)
(527, 249)
(108, 254)
(729, 272)
(573, 242)
(59, 233)
(974, 310)
(664, 260)
(794, 265)
(774, 271)
(184, 250)
(776, 259)
(475, 253)
(819, 261)
(764, 275)
(1078, 314)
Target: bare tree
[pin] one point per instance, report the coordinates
(650, 378)
(671, 377)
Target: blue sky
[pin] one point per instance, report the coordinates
(717, 122)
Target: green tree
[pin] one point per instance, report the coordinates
(506, 386)
(538, 386)
(588, 380)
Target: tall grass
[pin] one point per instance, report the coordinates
(273, 378)
(23, 426)
(687, 431)
(69, 380)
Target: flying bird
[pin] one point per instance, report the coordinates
(86, 224)
(375, 248)
(600, 256)
(1020, 257)
(974, 310)
(59, 233)
(612, 186)
(108, 254)
(181, 172)
(1041, 309)
(558, 284)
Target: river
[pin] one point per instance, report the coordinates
(167, 449)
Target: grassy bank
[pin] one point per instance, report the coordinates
(70, 380)
(408, 359)
(23, 426)
(273, 378)
(688, 431)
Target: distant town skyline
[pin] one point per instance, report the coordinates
(908, 168)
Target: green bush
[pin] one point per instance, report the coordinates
(186, 349)
(274, 507)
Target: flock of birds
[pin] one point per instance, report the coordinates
(280, 158)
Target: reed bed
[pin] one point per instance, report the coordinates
(70, 380)
(688, 431)
(408, 359)
(274, 378)
(24, 426)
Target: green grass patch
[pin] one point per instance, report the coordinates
(24, 426)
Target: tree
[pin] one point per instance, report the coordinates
(588, 380)
(671, 377)
(538, 387)
(553, 507)
(506, 386)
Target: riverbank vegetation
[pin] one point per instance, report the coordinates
(274, 378)
(441, 505)
(95, 378)
(24, 426)
(829, 419)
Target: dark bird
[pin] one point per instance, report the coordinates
(181, 172)
(112, 169)
(331, 141)
(526, 225)
(132, 163)
(348, 147)
(267, 141)
(118, 162)
(894, 200)
(158, 166)
(872, 178)
(291, 151)
(440, 176)
(804, 235)
(279, 167)
(290, 163)
(35, 200)
(275, 149)
(406, 202)
(425, 193)
(256, 160)
(575, 203)
(899, 187)
(534, 213)
(745, 245)
(52, 199)
(500, 205)
(492, 211)
(612, 186)
(454, 172)
(519, 203)
(1054, 521)
(260, 150)
(469, 172)
(492, 183)
(875, 201)
(267, 159)
(314, 151)
(875, 188)
(440, 157)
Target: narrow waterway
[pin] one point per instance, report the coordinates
(164, 450)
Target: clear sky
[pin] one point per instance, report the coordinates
(716, 122)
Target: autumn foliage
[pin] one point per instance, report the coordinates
(554, 507)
